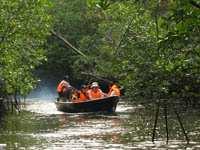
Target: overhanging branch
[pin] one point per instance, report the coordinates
(68, 43)
(195, 4)
(96, 76)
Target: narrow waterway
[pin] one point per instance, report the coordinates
(41, 126)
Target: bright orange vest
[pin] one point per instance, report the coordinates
(114, 89)
(95, 95)
(62, 84)
(82, 96)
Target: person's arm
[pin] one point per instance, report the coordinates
(103, 94)
(89, 94)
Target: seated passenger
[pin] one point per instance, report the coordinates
(83, 93)
(80, 96)
(114, 90)
(95, 92)
(74, 95)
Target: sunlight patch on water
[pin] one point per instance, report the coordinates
(84, 145)
(121, 108)
(89, 131)
(82, 135)
(81, 143)
(76, 131)
(80, 126)
(161, 145)
(42, 107)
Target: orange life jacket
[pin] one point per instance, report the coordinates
(114, 91)
(82, 96)
(95, 94)
(61, 85)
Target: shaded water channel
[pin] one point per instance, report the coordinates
(41, 126)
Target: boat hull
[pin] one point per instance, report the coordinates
(107, 104)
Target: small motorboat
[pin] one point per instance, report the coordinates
(107, 104)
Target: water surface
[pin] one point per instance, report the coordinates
(41, 126)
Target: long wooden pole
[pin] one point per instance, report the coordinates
(96, 76)
(195, 4)
(68, 43)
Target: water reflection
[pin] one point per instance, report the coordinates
(41, 126)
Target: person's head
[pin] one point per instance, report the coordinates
(83, 88)
(94, 86)
(66, 78)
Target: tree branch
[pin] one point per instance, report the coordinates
(96, 76)
(68, 43)
(124, 34)
(195, 4)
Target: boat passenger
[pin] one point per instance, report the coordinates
(74, 95)
(114, 90)
(95, 92)
(83, 93)
(64, 88)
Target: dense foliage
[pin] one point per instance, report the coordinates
(151, 47)
(159, 55)
(74, 22)
(24, 26)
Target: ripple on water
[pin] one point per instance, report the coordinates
(83, 132)
(87, 131)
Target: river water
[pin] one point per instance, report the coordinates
(41, 127)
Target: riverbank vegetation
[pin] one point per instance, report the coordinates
(24, 28)
(150, 47)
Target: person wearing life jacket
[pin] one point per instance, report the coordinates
(95, 92)
(83, 93)
(114, 90)
(64, 88)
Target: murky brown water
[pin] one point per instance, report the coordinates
(41, 126)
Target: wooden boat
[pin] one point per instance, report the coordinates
(107, 104)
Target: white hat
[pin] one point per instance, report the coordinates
(94, 84)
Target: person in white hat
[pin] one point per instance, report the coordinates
(95, 92)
